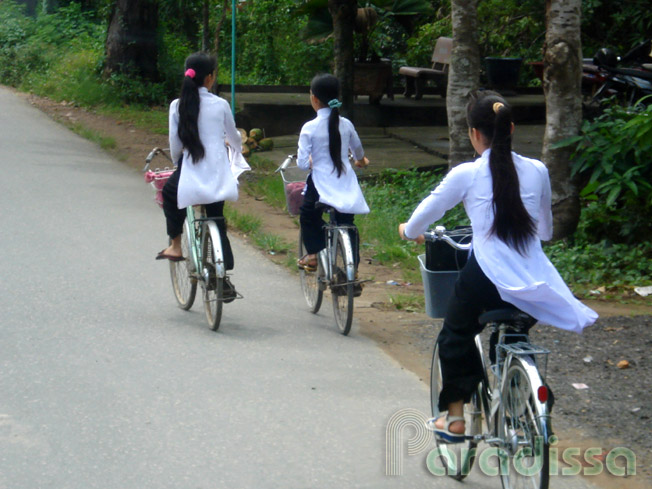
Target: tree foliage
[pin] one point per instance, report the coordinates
(269, 47)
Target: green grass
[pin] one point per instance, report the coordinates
(271, 243)
(408, 302)
(246, 223)
(263, 182)
(153, 119)
(106, 143)
(252, 226)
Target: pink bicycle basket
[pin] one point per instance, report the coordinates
(158, 178)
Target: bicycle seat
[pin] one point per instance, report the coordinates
(320, 206)
(509, 315)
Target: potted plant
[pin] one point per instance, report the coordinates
(502, 73)
(508, 32)
(372, 74)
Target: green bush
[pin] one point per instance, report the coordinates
(393, 195)
(14, 32)
(613, 159)
(422, 42)
(67, 26)
(602, 264)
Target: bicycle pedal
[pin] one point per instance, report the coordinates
(229, 294)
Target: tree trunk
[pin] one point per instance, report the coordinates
(30, 6)
(463, 76)
(562, 79)
(206, 35)
(131, 41)
(343, 13)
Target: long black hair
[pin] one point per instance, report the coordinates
(488, 112)
(197, 67)
(327, 89)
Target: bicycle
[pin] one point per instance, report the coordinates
(336, 267)
(512, 398)
(201, 246)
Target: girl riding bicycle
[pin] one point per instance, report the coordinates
(508, 200)
(324, 144)
(200, 123)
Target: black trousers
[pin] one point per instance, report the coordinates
(461, 368)
(312, 223)
(174, 216)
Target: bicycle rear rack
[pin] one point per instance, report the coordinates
(525, 349)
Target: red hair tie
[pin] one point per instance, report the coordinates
(190, 72)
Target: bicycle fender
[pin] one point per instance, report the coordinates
(527, 363)
(217, 249)
(348, 254)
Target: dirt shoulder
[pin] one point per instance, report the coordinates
(614, 410)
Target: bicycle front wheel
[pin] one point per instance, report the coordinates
(214, 285)
(524, 433)
(182, 273)
(310, 285)
(456, 458)
(342, 289)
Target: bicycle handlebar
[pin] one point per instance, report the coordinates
(153, 153)
(286, 163)
(292, 158)
(439, 234)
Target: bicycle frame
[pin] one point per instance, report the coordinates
(198, 229)
(507, 353)
(522, 352)
(327, 255)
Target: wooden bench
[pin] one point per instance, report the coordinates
(415, 78)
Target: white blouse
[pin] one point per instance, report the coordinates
(342, 193)
(530, 282)
(214, 177)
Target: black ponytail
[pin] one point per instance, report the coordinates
(197, 67)
(492, 116)
(327, 89)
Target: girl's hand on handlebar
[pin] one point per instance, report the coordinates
(401, 232)
(362, 163)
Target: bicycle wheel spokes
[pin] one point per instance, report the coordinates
(526, 450)
(310, 282)
(456, 458)
(184, 283)
(213, 287)
(341, 290)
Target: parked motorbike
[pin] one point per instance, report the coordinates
(628, 78)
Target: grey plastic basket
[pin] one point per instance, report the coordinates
(438, 288)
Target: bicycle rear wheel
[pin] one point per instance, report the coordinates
(342, 289)
(522, 427)
(214, 286)
(456, 458)
(182, 273)
(310, 282)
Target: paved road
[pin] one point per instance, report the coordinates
(105, 383)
